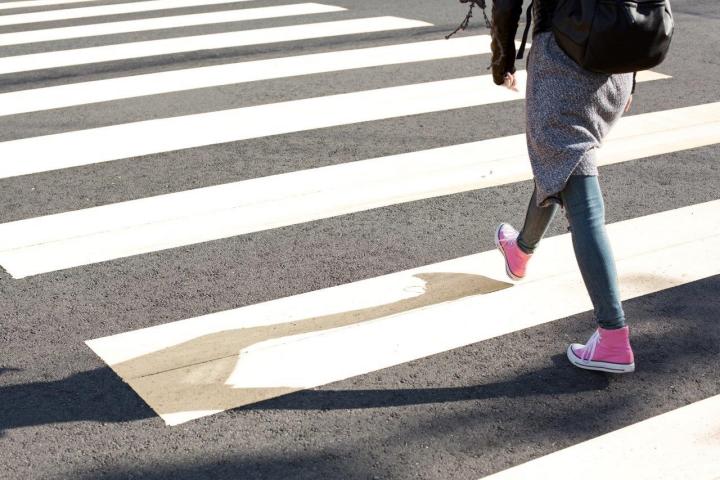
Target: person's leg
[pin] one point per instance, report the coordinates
(585, 211)
(537, 220)
(518, 248)
(608, 349)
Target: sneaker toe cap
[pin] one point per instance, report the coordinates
(574, 350)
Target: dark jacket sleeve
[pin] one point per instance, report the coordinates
(505, 19)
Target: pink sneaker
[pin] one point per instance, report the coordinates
(606, 351)
(515, 259)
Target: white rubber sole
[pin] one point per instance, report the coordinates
(599, 366)
(499, 247)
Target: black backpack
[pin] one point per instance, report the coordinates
(612, 36)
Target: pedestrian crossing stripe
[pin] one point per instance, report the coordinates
(204, 365)
(39, 3)
(59, 96)
(149, 48)
(102, 10)
(188, 20)
(681, 444)
(85, 147)
(71, 239)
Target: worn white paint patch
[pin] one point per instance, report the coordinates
(242, 356)
(109, 28)
(149, 48)
(70, 239)
(683, 444)
(46, 98)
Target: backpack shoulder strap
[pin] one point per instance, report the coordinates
(528, 19)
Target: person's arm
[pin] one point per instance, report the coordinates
(505, 19)
(632, 92)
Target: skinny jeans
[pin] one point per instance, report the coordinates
(585, 211)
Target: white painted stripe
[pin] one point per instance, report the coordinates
(70, 239)
(83, 56)
(39, 3)
(683, 444)
(84, 147)
(174, 81)
(186, 369)
(101, 10)
(225, 16)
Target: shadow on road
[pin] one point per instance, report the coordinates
(96, 395)
(536, 412)
(99, 395)
(555, 380)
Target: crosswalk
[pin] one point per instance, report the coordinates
(136, 139)
(81, 237)
(404, 316)
(220, 360)
(99, 11)
(148, 48)
(82, 93)
(160, 23)
(39, 3)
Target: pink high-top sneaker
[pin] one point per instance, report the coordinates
(515, 259)
(606, 351)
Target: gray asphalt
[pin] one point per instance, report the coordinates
(462, 414)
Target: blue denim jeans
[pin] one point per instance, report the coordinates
(585, 211)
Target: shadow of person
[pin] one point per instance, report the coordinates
(96, 395)
(668, 349)
(559, 379)
(192, 376)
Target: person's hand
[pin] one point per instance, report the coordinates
(629, 104)
(510, 82)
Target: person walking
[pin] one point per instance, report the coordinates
(569, 112)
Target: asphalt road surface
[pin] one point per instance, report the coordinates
(344, 322)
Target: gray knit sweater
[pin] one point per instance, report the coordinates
(569, 112)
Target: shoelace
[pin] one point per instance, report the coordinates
(512, 241)
(510, 236)
(591, 345)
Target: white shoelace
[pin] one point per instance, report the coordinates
(591, 345)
